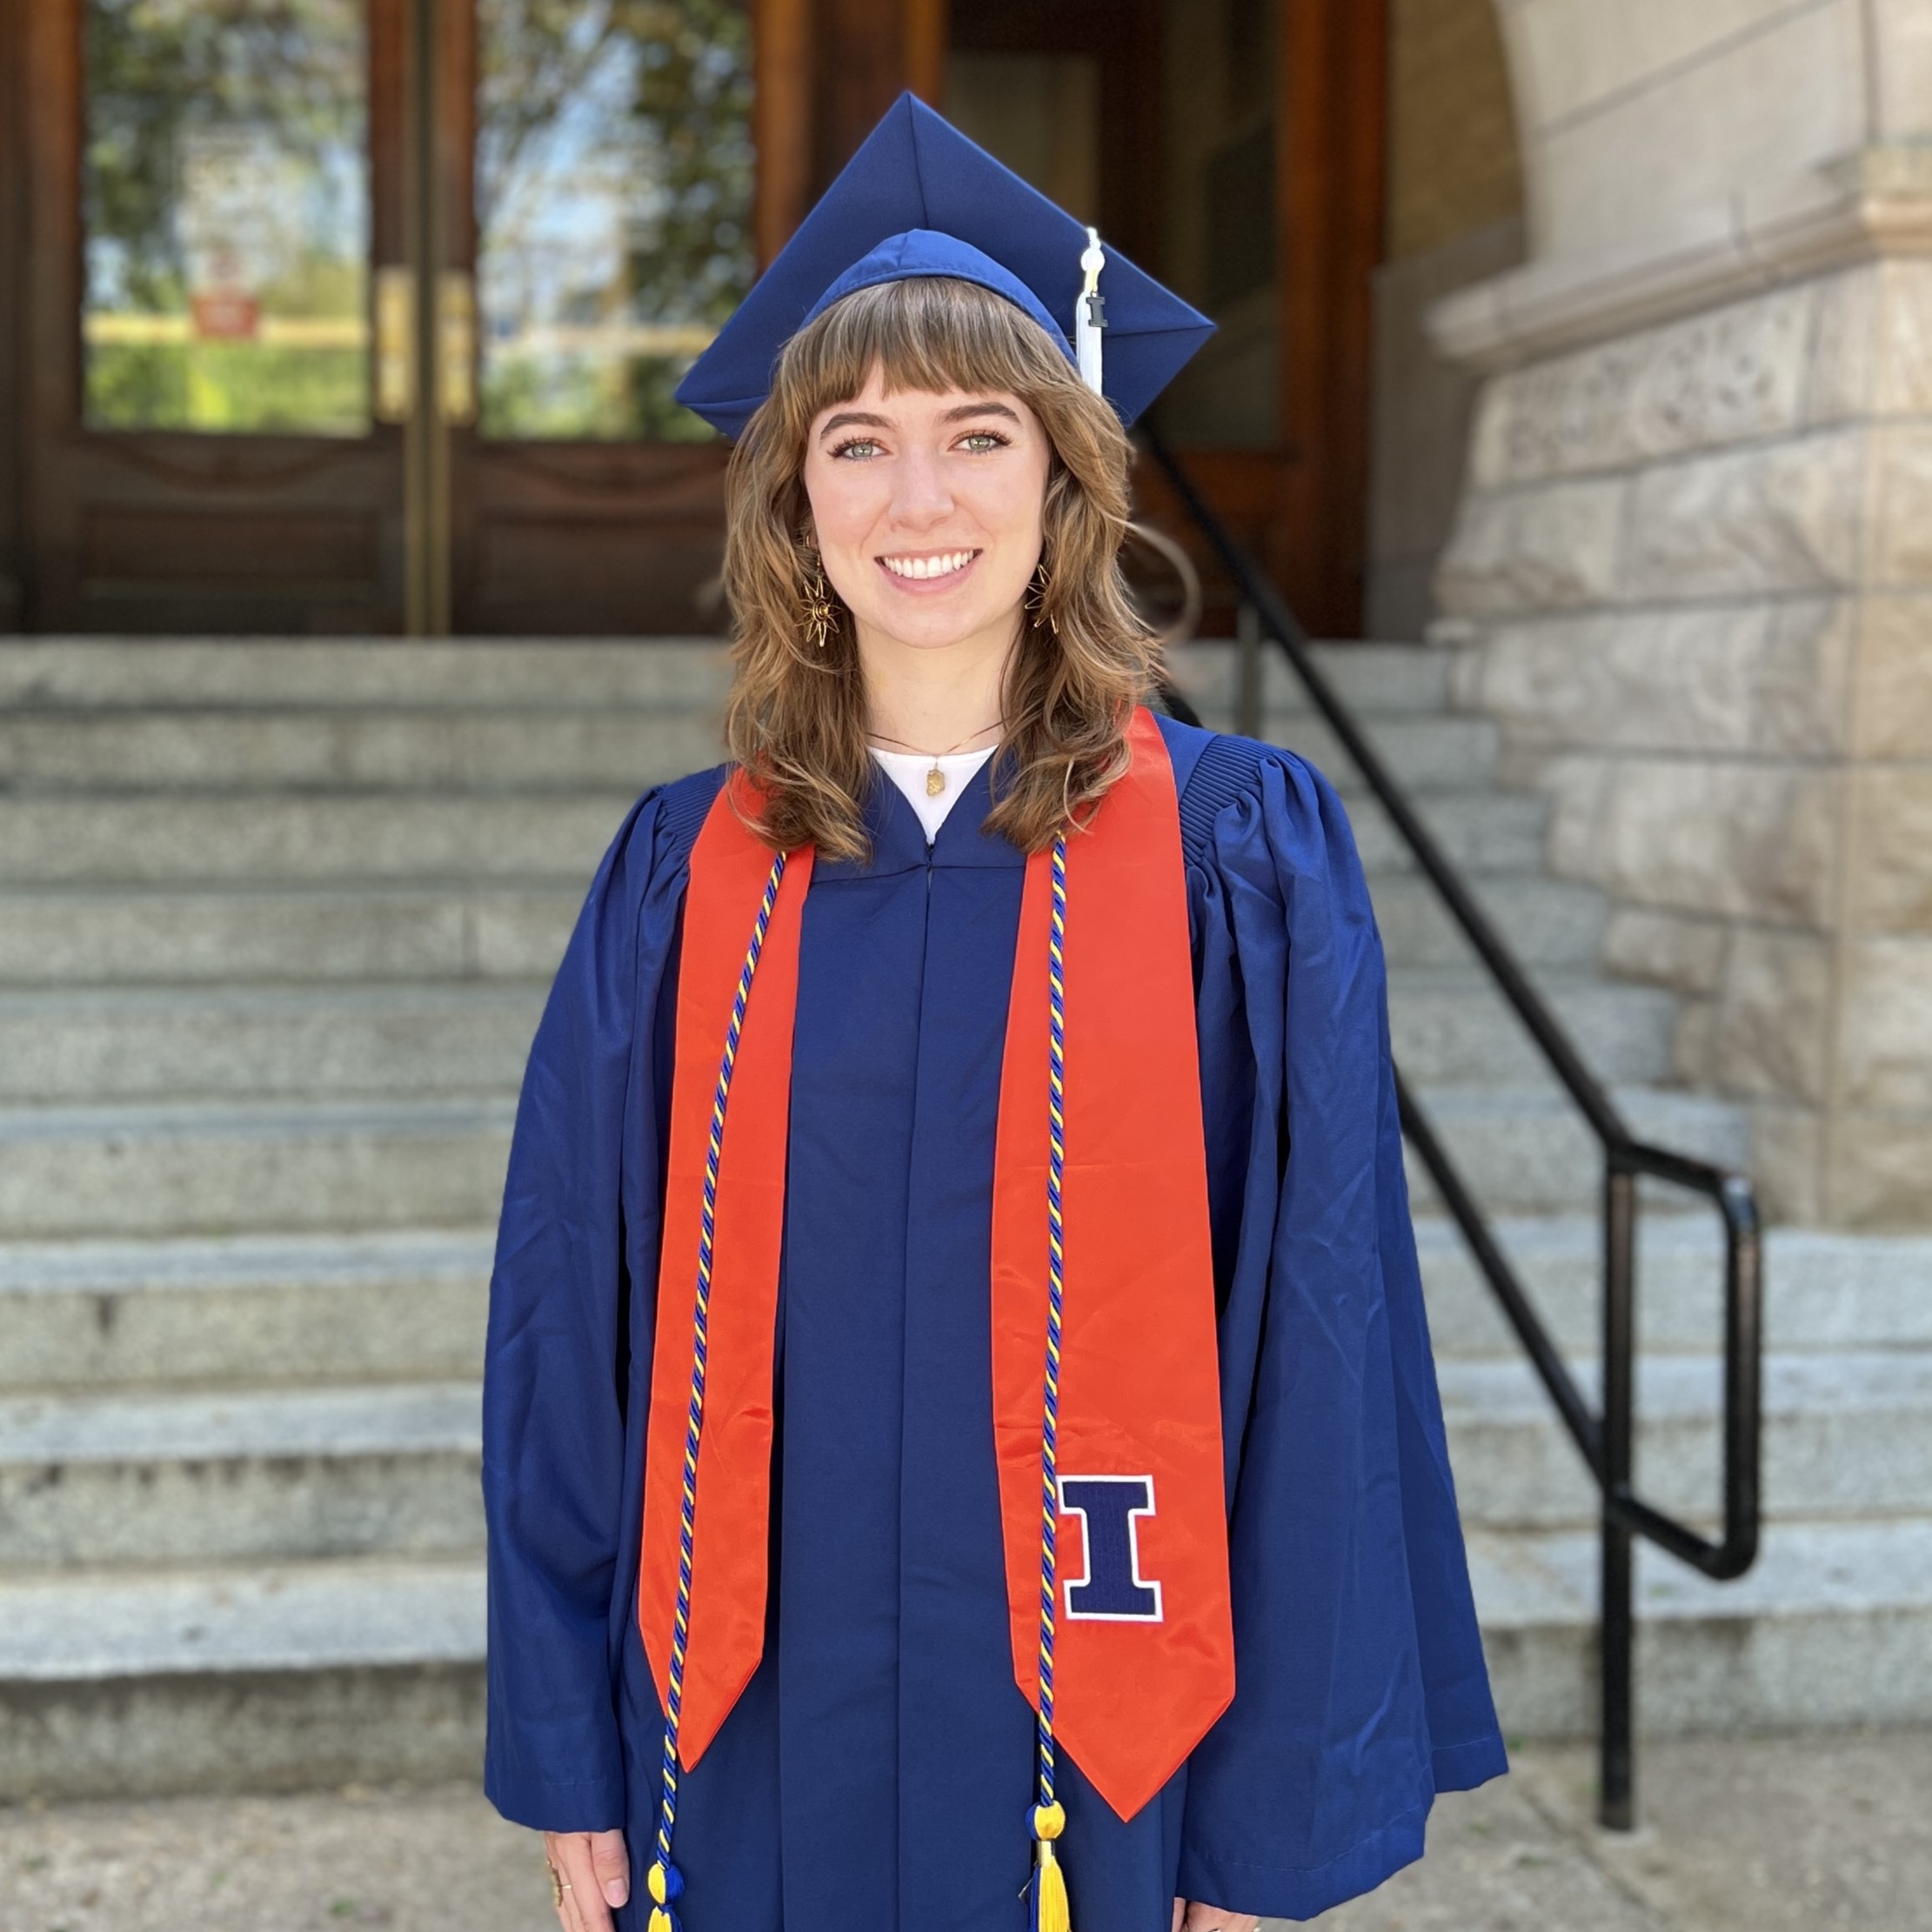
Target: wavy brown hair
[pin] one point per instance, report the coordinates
(796, 719)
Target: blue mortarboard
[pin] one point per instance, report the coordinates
(919, 198)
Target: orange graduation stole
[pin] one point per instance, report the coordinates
(1106, 1402)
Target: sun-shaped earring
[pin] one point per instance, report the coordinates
(820, 614)
(1037, 588)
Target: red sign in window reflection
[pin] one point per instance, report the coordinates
(225, 315)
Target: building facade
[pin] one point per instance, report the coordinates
(1590, 340)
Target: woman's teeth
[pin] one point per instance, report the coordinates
(929, 566)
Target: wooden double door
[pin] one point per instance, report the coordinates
(364, 316)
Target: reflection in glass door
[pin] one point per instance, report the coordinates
(211, 182)
(613, 209)
(609, 207)
(225, 203)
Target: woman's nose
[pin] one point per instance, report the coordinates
(920, 493)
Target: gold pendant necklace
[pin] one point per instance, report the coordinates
(935, 779)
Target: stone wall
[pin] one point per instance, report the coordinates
(1697, 563)
(1693, 550)
(1635, 114)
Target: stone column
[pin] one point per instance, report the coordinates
(1694, 554)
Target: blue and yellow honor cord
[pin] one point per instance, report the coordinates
(1048, 1817)
(664, 1881)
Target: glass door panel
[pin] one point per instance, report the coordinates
(613, 181)
(335, 303)
(225, 207)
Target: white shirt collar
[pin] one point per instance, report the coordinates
(908, 771)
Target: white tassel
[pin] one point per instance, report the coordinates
(1089, 313)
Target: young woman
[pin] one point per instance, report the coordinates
(961, 1444)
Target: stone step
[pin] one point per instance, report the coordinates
(370, 1671)
(492, 750)
(519, 673)
(1425, 752)
(244, 1311)
(342, 749)
(235, 1475)
(233, 1166)
(331, 1040)
(262, 1042)
(1545, 922)
(230, 1167)
(1450, 1026)
(410, 1304)
(259, 1310)
(281, 840)
(198, 838)
(1480, 832)
(406, 929)
(155, 1477)
(1529, 1152)
(1844, 1434)
(403, 930)
(1823, 1290)
(512, 673)
(243, 1678)
(1832, 1627)
(1374, 679)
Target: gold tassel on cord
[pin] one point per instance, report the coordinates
(1050, 1910)
(664, 1883)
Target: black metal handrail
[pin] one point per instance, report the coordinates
(1603, 1437)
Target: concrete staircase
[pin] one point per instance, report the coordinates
(1834, 1623)
(275, 921)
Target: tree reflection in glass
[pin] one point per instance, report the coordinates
(226, 203)
(613, 189)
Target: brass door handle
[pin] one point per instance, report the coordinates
(455, 347)
(395, 345)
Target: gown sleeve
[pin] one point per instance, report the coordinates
(1360, 1689)
(555, 1370)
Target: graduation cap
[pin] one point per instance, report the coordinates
(919, 198)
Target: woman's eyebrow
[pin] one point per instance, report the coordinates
(847, 418)
(986, 408)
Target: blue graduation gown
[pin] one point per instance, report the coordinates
(877, 1770)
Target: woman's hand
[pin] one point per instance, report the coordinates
(1190, 1915)
(593, 1869)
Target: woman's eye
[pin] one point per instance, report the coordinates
(859, 447)
(981, 441)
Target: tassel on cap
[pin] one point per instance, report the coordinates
(1049, 1911)
(664, 1882)
(1090, 313)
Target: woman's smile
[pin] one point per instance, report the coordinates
(923, 572)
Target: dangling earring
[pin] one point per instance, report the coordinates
(1037, 587)
(821, 614)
